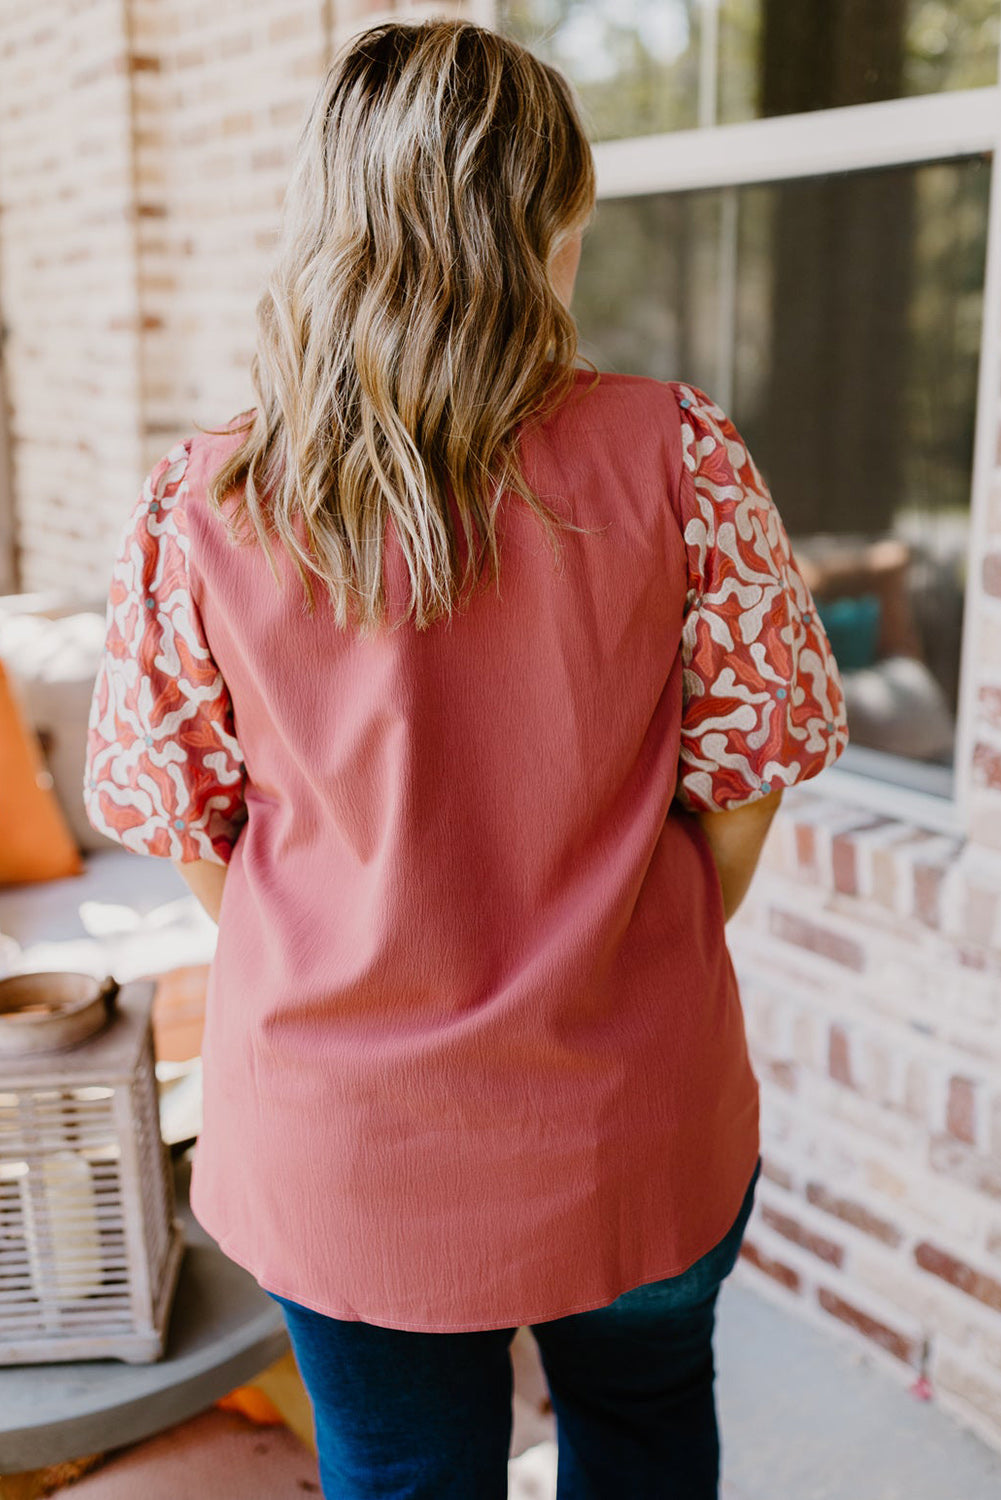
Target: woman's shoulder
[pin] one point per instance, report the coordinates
(640, 395)
(204, 450)
(628, 412)
(208, 442)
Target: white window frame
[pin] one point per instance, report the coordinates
(894, 132)
(929, 128)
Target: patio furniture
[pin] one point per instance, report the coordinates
(90, 1249)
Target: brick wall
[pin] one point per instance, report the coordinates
(217, 107)
(67, 279)
(869, 958)
(983, 659)
(144, 147)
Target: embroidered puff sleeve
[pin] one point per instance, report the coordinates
(763, 702)
(164, 772)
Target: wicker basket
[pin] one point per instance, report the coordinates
(90, 1248)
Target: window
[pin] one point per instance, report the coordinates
(645, 66)
(794, 210)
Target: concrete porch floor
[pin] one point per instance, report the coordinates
(803, 1415)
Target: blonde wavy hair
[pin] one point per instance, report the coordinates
(409, 327)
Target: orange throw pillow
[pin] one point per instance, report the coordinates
(35, 843)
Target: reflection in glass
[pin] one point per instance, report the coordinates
(838, 320)
(635, 63)
(777, 58)
(646, 66)
(646, 297)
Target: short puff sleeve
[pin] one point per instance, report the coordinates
(164, 773)
(763, 701)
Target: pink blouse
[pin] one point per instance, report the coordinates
(474, 1054)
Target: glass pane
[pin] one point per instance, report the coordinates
(777, 58)
(638, 64)
(646, 298)
(635, 63)
(838, 320)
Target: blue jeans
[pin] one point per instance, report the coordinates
(401, 1415)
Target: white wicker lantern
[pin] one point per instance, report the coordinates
(90, 1248)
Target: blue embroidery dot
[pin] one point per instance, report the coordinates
(178, 822)
(780, 692)
(149, 739)
(154, 505)
(684, 403)
(766, 786)
(150, 603)
(807, 618)
(830, 723)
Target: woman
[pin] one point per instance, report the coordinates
(474, 1055)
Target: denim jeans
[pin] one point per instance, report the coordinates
(401, 1415)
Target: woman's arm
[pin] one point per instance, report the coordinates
(736, 838)
(206, 879)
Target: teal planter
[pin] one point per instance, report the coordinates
(852, 626)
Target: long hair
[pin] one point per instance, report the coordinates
(409, 327)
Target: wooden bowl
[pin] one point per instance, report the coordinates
(47, 1012)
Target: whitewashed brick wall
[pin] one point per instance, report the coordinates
(144, 149)
(869, 958)
(68, 282)
(216, 113)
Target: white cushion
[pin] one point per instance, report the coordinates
(126, 914)
(897, 706)
(52, 664)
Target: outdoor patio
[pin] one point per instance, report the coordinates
(799, 213)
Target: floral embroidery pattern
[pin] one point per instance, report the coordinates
(763, 699)
(164, 773)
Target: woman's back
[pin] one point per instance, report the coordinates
(460, 782)
(472, 1018)
(474, 1055)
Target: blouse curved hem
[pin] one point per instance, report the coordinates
(380, 1321)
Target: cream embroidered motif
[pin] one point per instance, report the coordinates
(763, 699)
(164, 773)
